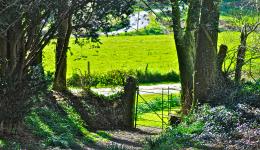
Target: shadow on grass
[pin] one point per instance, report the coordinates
(59, 125)
(104, 134)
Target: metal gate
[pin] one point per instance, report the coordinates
(153, 107)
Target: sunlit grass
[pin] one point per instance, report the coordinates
(151, 97)
(151, 111)
(130, 53)
(154, 119)
(232, 40)
(121, 53)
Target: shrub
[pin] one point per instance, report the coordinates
(111, 78)
(156, 77)
(117, 78)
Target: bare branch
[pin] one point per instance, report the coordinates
(253, 28)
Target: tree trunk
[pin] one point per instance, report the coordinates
(3, 54)
(10, 53)
(64, 33)
(241, 53)
(185, 45)
(206, 53)
(34, 30)
(220, 61)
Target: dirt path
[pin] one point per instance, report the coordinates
(134, 139)
(130, 140)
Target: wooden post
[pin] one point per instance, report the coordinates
(136, 107)
(168, 101)
(146, 69)
(88, 67)
(162, 107)
(130, 90)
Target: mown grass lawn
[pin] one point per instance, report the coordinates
(129, 53)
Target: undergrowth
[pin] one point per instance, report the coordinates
(209, 127)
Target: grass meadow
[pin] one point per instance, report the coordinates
(150, 109)
(129, 53)
(120, 53)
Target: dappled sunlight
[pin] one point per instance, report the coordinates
(63, 128)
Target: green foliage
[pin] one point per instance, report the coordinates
(2, 143)
(156, 77)
(119, 25)
(111, 78)
(183, 135)
(113, 97)
(10, 145)
(177, 138)
(252, 87)
(237, 7)
(248, 92)
(208, 127)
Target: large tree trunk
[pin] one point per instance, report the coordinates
(10, 52)
(206, 53)
(3, 54)
(64, 33)
(185, 45)
(32, 38)
(21, 40)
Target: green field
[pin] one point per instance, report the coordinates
(122, 53)
(128, 53)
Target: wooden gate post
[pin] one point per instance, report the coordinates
(130, 93)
